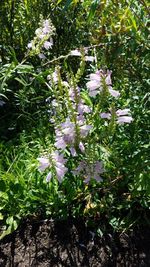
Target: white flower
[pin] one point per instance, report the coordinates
(89, 58)
(29, 45)
(75, 53)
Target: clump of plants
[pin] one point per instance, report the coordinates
(85, 111)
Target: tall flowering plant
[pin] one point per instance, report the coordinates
(78, 114)
(81, 116)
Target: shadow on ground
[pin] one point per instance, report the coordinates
(71, 244)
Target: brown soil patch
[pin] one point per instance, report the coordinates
(71, 244)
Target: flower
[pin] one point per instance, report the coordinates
(44, 164)
(48, 177)
(41, 56)
(47, 26)
(122, 112)
(66, 133)
(43, 37)
(124, 119)
(48, 44)
(89, 170)
(96, 83)
(122, 116)
(53, 78)
(105, 115)
(114, 93)
(59, 161)
(75, 52)
(89, 58)
(82, 147)
(29, 45)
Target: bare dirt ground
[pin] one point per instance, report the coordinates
(71, 244)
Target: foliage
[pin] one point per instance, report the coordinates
(116, 35)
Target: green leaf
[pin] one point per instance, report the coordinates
(68, 2)
(23, 82)
(93, 9)
(1, 217)
(86, 98)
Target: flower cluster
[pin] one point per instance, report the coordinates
(77, 53)
(73, 123)
(89, 170)
(99, 81)
(122, 116)
(69, 133)
(43, 38)
(55, 161)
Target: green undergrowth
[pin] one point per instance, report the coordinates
(24, 193)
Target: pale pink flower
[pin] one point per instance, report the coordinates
(105, 115)
(89, 170)
(120, 116)
(46, 27)
(53, 77)
(82, 147)
(108, 77)
(58, 157)
(60, 143)
(114, 93)
(60, 171)
(124, 119)
(122, 112)
(41, 56)
(84, 130)
(93, 85)
(44, 164)
(47, 45)
(73, 151)
(82, 108)
(48, 177)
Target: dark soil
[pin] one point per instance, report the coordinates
(70, 244)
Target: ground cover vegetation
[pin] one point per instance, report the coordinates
(74, 113)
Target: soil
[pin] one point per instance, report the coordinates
(70, 244)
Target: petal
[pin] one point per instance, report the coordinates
(92, 85)
(48, 177)
(98, 178)
(123, 112)
(75, 53)
(44, 163)
(105, 115)
(95, 77)
(114, 93)
(89, 58)
(47, 45)
(60, 143)
(61, 171)
(108, 78)
(73, 151)
(124, 119)
(93, 93)
(81, 146)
